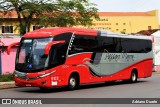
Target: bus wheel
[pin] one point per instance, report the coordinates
(44, 89)
(134, 76)
(73, 82)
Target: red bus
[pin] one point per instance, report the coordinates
(53, 57)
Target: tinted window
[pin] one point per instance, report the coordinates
(136, 45)
(118, 45)
(82, 43)
(63, 36)
(57, 56)
(58, 51)
(106, 44)
(66, 37)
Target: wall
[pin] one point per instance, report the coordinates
(8, 61)
(122, 22)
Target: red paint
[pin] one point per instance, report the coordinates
(10, 46)
(48, 46)
(48, 32)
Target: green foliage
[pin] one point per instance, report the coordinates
(7, 77)
(51, 12)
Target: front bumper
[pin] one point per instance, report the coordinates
(49, 81)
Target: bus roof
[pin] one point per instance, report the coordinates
(112, 34)
(48, 32)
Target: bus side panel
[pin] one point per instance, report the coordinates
(76, 64)
(145, 68)
(149, 68)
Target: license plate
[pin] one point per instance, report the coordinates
(28, 85)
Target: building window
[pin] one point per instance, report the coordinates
(7, 29)
(35, 27)
(117, 29)
(123, 31)
(124, 23)
(104, 19)
(149, 27)
(116, 23)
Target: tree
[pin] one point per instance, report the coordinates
(51, 12)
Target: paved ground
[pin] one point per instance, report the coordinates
(144, 88)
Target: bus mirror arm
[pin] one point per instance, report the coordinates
(50, 44)
(10, 46)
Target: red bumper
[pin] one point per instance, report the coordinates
(41, 82)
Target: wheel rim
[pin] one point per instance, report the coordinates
(72, 82)
(133, 77)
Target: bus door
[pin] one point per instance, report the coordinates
(94, 64)
(57, 55)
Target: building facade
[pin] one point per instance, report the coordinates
(122, 22)
(126, 22)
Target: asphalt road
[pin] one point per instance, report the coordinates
(144, 88)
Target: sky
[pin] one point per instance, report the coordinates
(127, 5)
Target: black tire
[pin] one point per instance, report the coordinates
(133, 77)
(73, 82)
(109, 82)
(44, 89)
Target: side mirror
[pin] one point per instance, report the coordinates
(50, 44)
(10, 46)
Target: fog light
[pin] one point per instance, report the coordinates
(44, 82)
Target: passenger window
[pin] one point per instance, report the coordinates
(82, 43)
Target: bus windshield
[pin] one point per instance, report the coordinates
(30, 56)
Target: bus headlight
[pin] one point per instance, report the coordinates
(15, 75)
(42, 76)
(19, 74)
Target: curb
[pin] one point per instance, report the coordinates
(154, 73)
(6, 85)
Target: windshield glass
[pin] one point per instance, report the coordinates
(30, 56)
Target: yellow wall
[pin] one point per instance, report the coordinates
(127, 24)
